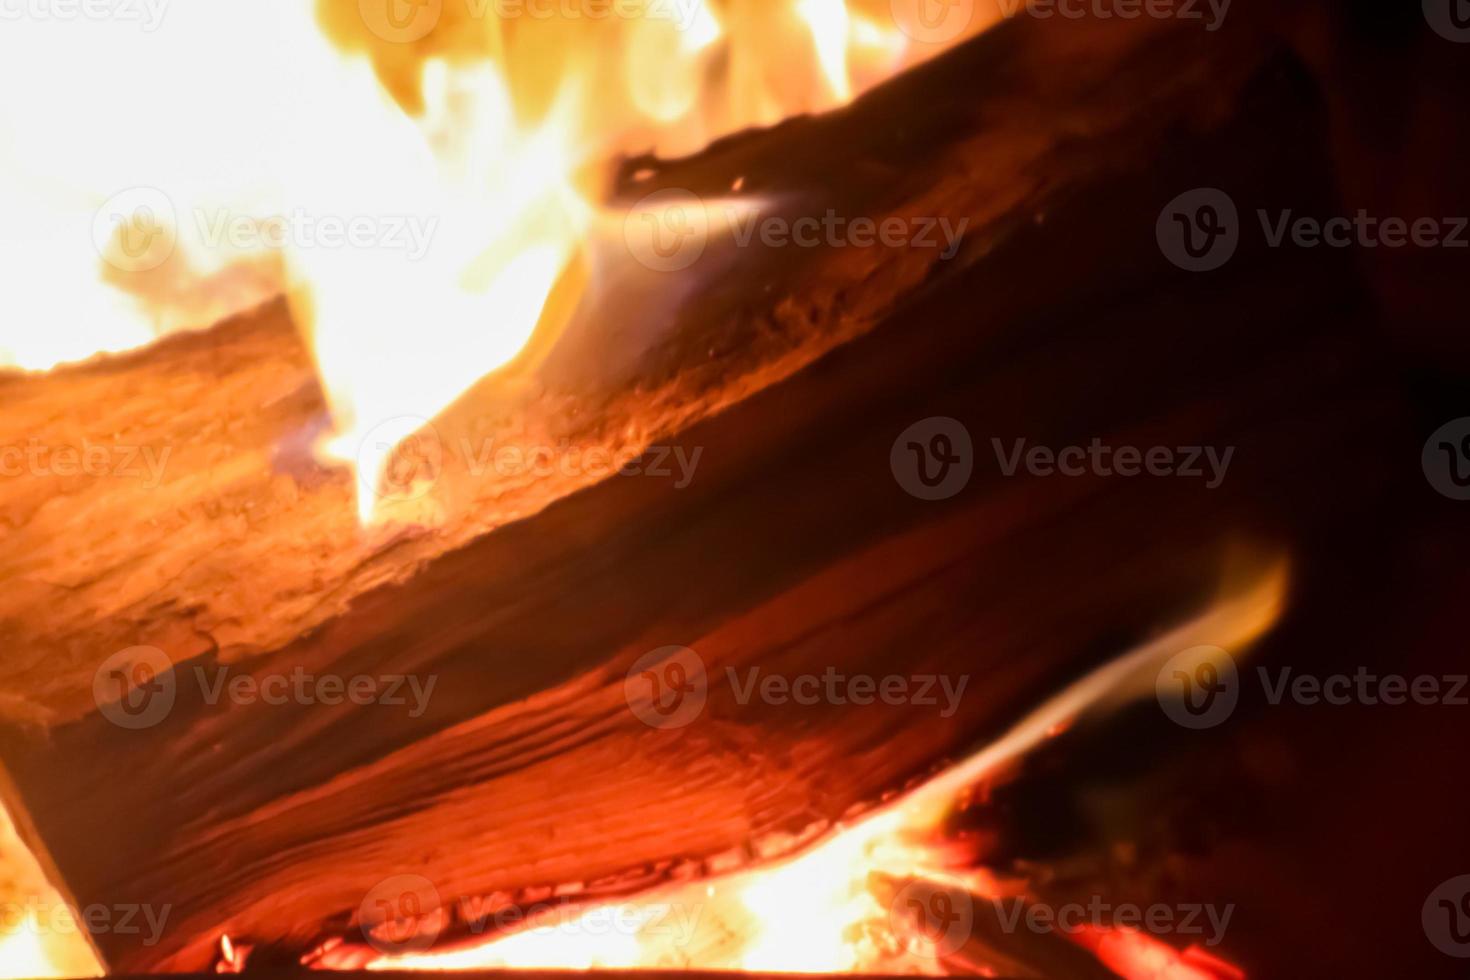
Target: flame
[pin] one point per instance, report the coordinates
(400, 335)
(29, 948)
(504, 119)
(22, 954)
(203, 143)
(819, 911)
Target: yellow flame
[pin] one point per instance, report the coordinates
(830, 27)
(33, 949)
(22, 954)
(492, 221)
(165, 169)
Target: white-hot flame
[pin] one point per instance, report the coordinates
(405, 175)
(41, 937)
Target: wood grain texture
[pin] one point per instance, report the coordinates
(793, 549)
(213, 531)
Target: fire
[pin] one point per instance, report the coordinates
(41, 937)
(22, 954)
(399, 335)
(859, 901)
(419, 178)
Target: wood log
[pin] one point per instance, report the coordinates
(211, 530)
(794, 550)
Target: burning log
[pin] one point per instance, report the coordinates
(528, 605)
(238, 541)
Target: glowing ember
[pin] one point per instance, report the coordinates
(878, 896)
